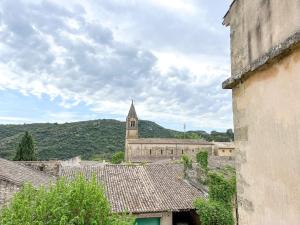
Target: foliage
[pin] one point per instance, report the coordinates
(221, 189)
(202, 160)
(213, 213)
(26, 149)
(118, 157)
(218, 209)
(79, 202)
(94, 139)
(187, 163)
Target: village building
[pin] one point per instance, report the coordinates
(155, 149)
(14, 175)
(155, 194)
(265, 83)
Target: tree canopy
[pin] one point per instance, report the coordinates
(26, 149)
(79, 202)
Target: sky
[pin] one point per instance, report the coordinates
(64, 61)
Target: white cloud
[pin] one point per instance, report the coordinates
(68, 51)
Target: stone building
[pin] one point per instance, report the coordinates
(154, 149)
(14, 175)
(265, 83)
(155, 193)
(223, 149)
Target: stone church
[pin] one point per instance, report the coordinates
(154, 149)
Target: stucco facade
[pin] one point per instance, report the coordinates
(265, 83)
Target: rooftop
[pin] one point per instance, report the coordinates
(20, 174)
(141, 188)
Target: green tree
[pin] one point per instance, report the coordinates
(118, 157)
(26, 149)
(79, 202)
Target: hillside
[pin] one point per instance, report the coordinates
(91, 139)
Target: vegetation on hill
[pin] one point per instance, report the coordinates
(95, 139)
(79, 202)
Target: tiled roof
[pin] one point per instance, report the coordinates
(224, 144)
(168, 141)
(141, 188)
(20, 174)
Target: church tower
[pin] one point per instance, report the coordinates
(132, 130)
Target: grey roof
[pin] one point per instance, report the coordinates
(168, 141)
(141, 188)
(20, 174)
(132, 112)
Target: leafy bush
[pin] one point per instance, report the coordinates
(118, 157)
(213, 213)
(202, 160)
(79, 202)
(218, 209)
(187, 164)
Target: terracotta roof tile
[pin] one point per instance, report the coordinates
(141, 188)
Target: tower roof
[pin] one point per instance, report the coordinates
(132, 112)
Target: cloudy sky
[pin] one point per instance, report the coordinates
(64, 61)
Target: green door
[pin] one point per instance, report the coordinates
(148, 221)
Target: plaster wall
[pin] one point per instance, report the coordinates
(258, 25)
(267, 139)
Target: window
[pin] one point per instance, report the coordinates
(230, 150)
(132, 123)
(223, 150)
(182, 151)
(150, 151)
(172, 152)
(161, 151)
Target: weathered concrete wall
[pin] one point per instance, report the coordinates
(267, 136)
(166, 218)
(258, 25)
(7, 190)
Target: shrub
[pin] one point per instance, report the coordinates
(202, 160)
(217, 210)
(118, 157)
(79, 202)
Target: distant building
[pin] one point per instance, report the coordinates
(265, 83)
(155, 149)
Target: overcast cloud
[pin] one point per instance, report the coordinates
(92, 57)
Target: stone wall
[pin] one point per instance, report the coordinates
(155, 152)
(7, 190)
(49, 167)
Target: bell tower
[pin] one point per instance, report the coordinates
(132, 130)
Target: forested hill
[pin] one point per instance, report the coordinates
(95, 139)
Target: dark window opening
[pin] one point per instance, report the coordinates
(223, 150)
(150, 151)
(132, 123)
(182, 151)
(161, 151)
(172, 151)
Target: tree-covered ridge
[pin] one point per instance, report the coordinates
(93, 139)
